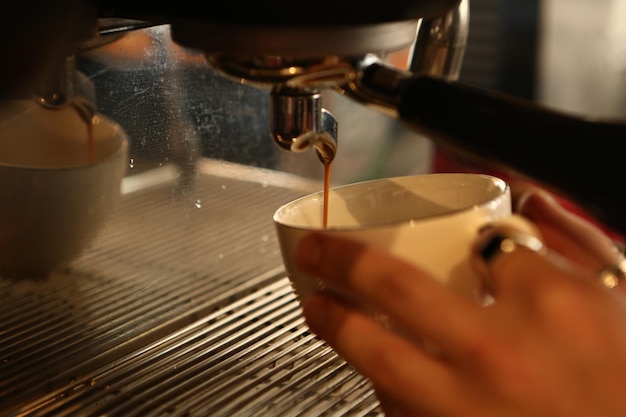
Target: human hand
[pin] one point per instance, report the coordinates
(552, 344)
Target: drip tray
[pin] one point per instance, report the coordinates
(181, 307)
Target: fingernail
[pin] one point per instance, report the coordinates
(308, 252)
(314, 309)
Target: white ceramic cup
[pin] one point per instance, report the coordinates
(430, 220)
(54, 196)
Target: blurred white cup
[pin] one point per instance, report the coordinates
(54, 196)
(430, 220)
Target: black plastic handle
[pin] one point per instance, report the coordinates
(583, 159)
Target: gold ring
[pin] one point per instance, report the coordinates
(611, 276)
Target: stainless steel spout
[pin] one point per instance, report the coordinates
(298, 122)
(57, 87)
(296, 63)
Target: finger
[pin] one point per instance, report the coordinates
(392, 407)
(519, 188)
(568, 234)
(504, 241)
(379, 354)
(413, 300)
(515, 263)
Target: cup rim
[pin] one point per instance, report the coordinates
(122, 148)
(502, 184)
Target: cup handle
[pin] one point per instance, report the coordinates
(518, 223)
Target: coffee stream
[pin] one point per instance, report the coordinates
(326, 149)
(326, 188)
(87, 114)
(91, 156)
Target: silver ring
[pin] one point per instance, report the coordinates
(500, 244)
(611, 276)
(497, 245)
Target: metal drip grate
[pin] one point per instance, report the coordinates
(181, 307)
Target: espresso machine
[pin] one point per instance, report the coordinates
(182, 306)
(295, 56)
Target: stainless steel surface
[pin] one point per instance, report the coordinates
(438, 52)
(442, 41)
(181, 307)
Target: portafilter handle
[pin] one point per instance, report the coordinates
(579, 157)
